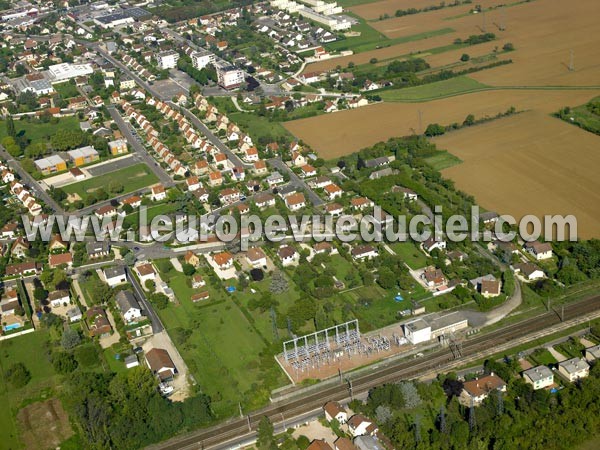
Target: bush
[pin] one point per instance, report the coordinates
(465, 57)
(64, 362)
(18, 375)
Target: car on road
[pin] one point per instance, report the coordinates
(137, 249)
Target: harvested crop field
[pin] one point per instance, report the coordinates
(374, 10)
(342, 133)
(44, 425)
(530, 164)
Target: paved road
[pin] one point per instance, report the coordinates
(296, 180)
(157, 325)
(31, 182)
(113, 165)
(212, 138)
(140, 150)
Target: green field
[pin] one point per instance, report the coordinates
(585, 118)
(542, 357)
(371, 39)
(411, 255)
(133, 178)
(443, 160)
(350, 3)
(30, 350)
(35, 131)
(223, 347)
(66, 90)
(151, 213)
(431, 91)
(259, 127)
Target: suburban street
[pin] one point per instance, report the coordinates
(296, 181)
(157, 325)
(134, 141)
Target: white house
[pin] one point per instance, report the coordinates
(333, 410)
(158, 193)
(359, 425)
(528, 271)
(58, 298)
(539, 250)
(477, 390)
(539, 377)
(295, 201)
(145, 272)
(256, 257)
(364, 252)
(574, 369)
(128, 306)
(115, 275)
(287, 254)
(432, 244)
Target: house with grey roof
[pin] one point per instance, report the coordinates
(128, 306)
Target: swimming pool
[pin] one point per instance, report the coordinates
(12, 326)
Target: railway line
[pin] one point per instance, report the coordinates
(403, 369)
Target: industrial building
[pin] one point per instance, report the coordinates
(433, 327)
(65, 71)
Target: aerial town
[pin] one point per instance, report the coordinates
(206, 224)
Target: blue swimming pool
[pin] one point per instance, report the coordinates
(11, 327)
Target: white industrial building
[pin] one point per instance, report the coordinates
(168, 59)
(318, 11)
(201, 59)
(229, 77)
(65, 71)
(422, 330)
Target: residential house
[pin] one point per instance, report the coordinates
(158, 193)
(145, 272)
(260, 168)
(574, 369)
(433, 277)
(529, 271)
(8, 231)
(134, 201)
(74, 314)
(106, 211)
(19, 247)
(223, 260)
(361, 203)
(319, 444)
(215, 179)
(128, 306)
(193, 184)
(191, 258)
(335, 209)
(476, 391)
(22, 269)
(57, 244)
(274, 179)
(287, 254)
(408, 194)
(333, 410)
(229, 195)
(359, 425)
(98, 323)
(333, 191)
(200, 296)
(115, 275)
(539, 377)
(431, 244)
(198, 281)
(298, 159)
(295, 201)
(97, 250)
(307, 171)
(365, 251)
(256, 257)
(592, 353)
(161, 364)
(59, 298)
(60, 260)
(50, 164)
(539, 250)
(489, 288)
(344, 443)
(264, 200)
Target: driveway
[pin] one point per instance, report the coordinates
(176, 264)
(479, 319)
(558, 356)
(180, 383)
(106, 342)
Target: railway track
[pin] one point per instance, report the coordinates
(403, 369)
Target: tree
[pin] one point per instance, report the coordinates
(18, 375)
(160, 300)
(469, 120)
(465, 57)
(265, 439)
(412, 399)
(435, 129)
(40, 294)
(10, 127)
(508, 47)
(70, 339)
(188, 269)
(64, 362)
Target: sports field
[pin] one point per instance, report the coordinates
(530, 163)
(132, 177)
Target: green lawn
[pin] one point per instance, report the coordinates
(542, 357)
(371, 39)
(66, 90)
(222, 348)
(30, 350)
(410, 253)
(350, 3)
(35, 131)
(442, 160)
(430, 91)
(258, 126)
(151, 213)
(132, 177)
